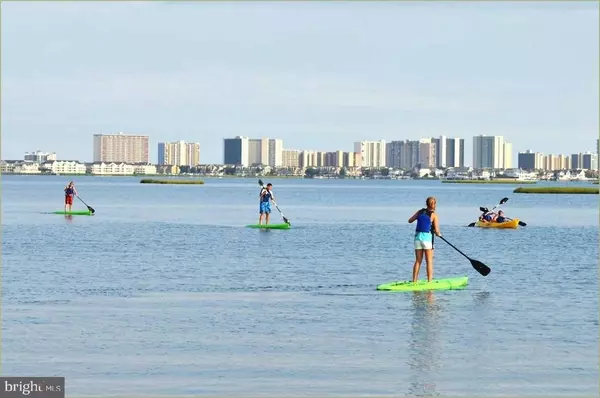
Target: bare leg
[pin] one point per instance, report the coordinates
(260, 219)
(267, 216)
(429, 261)
(417, 265)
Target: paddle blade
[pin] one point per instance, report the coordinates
(471, 225)
(480, 267)
(91, 209)
(483, 209)
(285, 220)
(260, 182)
(503, 201)
(523, 224)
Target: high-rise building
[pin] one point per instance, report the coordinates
(246, 151)
(530, 160)
(372, 153)
(589, 161)
(179, 153)
(275, 152)
(39, 156)
(394, 154)
(235, 151)
(441, 151)
(349, 159)
(427, 153)
(507, 155)
(121, 148)
(258, 151)
(491, 152)
(576, 161)
(455, 152)
(291, 158)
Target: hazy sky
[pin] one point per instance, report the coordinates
(318, 75)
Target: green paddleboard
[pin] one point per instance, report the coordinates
(269, 226)
(436, 284)
(74, 213)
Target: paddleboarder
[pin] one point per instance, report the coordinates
(266, 197)
(70, 191)
(427, 225)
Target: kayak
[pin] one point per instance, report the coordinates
(513, 224)
(74, 213)
(436, 284)
(269, 226)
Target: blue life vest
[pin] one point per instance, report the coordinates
(266, 197)
(424, 223)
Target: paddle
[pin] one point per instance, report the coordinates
(285, 220)
(89, 207)
(478, 265)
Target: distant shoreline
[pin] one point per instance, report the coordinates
(493, 181)
(267, 177)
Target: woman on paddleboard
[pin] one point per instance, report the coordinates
(70, 191)
(427, 222)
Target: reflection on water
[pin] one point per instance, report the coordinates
(481, 297)
(68, 218)
(424, 348)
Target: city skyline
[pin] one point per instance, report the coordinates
(529, 74)
(493, 152)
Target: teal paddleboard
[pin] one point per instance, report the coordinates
(269, 226)
(74, 213)
(436, 284)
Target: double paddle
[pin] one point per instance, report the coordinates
(485, 210)
(285, 220)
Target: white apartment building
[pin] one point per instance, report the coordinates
(179, 153)
(112, 169)
(121, 148)
(491, 152)
(64, 167)
(372, 153)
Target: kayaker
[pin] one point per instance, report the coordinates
(266, 197)
(70, 191)
(427, 225)
(500, 217)
(489, 217)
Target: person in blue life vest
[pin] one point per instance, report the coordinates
(70, 191)
(266, 197)
(427, 225)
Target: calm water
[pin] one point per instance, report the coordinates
(165, 292)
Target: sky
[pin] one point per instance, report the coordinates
(318, 75)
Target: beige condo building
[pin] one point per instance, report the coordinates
(121, 148)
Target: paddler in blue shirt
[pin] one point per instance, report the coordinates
(266, 197)
(427, 222)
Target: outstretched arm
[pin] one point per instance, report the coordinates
(414, 217)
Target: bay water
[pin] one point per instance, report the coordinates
(164, 291)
